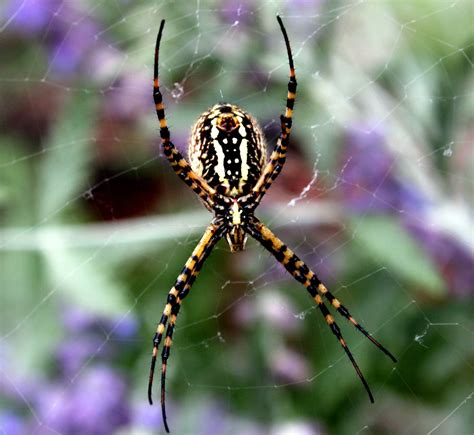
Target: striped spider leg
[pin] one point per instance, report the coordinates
(177, 293)
(178, 163)
(278, 156)
(303, 274)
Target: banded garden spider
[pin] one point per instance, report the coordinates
(229, 172)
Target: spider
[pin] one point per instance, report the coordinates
(229, 172)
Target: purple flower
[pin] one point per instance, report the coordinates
(71, 43)
(12, 380)
(94, 404)
(78, 321)
(88, 397)
(273, 307)
(148, 417)
(71, 38)
(30, 16)
(130, 96)
(454, 261)
(73, 354)
(91, 337)
(11, 424)
(288, 365)
(369, 176)
(305, 4)
(236, 10)
(214, 420)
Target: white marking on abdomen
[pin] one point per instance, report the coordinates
(243, 157)
(220, 169)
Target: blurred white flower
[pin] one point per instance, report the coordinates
(289, 365)
(271, 307)
(296, 428)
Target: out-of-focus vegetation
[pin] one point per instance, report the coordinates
(374, 197)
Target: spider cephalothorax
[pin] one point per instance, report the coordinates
(230, 173)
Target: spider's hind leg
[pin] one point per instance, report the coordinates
(343, 311)
(303, 274)
(180, 289)
(337, 332)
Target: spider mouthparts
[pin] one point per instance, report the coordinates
(236, 238)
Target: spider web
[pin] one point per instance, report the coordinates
(374, 197)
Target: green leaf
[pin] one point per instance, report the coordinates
(16, 175)
(63, 170)
(83, 278)
(387, 241)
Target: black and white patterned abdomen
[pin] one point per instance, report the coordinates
(227, 149)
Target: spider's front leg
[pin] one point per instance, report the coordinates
(178, 163)
(278, 156)
(177, 293)
(303, 274)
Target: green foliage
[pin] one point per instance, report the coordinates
(64, 169)
(387, 242)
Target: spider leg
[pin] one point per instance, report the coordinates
(182, 286)
(170, 330)
(180, 166)
(343, 311)
(303, 274)
(278, 156)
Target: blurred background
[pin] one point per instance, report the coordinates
(375, 196)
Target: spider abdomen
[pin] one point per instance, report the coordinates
(227, 149)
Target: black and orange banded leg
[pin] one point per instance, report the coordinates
(303, 274)
(343, 311)
(278, 156)
(173, 317)
(212, 234)
(337, 332)
(178, 163)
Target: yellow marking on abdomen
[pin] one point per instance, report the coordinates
(243, 158)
